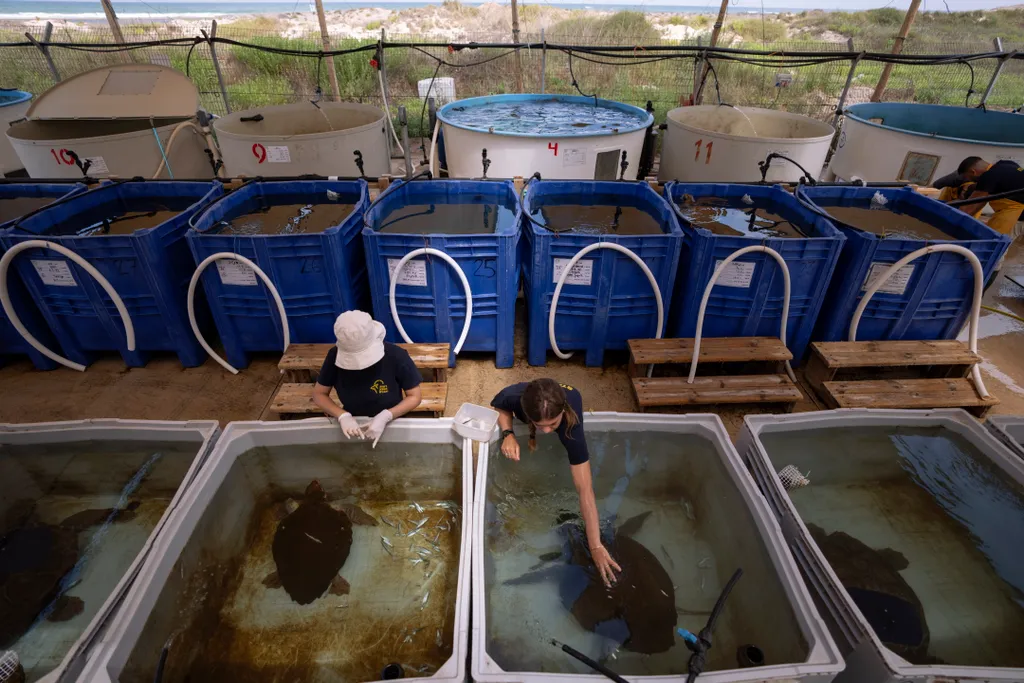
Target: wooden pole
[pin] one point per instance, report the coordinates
(897, 47)
(216, 67)
(326, 38)
(715, 32)
(115, 28)
(515, 39)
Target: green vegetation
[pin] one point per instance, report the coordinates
(621, 27)
(876, 28)
(374, 25)
(764, 30)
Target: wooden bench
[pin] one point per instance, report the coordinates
(302, 362)
(709, 390)
(294, 400)
(954, 392)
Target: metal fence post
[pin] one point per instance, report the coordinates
(45, 49)
(216, 67)
(998, 43)
(698, 69)
(543, 61)
(849, 81)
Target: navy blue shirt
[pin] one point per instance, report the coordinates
(368, 391)
(509, 399)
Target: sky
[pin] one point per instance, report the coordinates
(928, 5)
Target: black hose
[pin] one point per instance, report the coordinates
(702, 642)
(425, 173)
(766, 164)
(599, 668)
(63, 200)
(988, 197)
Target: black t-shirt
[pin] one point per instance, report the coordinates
(379, 387)
(1004, 176)
(510, 399)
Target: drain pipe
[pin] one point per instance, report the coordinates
(707, 295)
(979, 285)
(433, 149)
(458, 271)
(572, 263)
(5, 298)
(192, 307)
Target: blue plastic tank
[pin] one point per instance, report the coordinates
(133, 233)
(477, 223)
(319, 273)
(606, 299)
(747, 300)
(16, 198)
(931, 297)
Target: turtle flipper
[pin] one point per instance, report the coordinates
(67, 607)
(339, 586)
(633, 524)
(357, 515)
(272, 580)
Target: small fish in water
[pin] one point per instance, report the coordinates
(423, 552)
(388, 522)
(436, 536)
(417, 561)
(416, 506)
(313, 538)
(387, 546)
(412, 533)
(426, 596)
(419, 524)
(689, 512)
(437, 639)
(704, 563)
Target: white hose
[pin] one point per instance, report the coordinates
(433, 148)
(565, 273)
(979, 284)
(192, 308)
(170, 142)
(5, 298)
(465, 285)
(387, 112)
(707, 295)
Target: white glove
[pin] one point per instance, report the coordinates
(377, 425)
(349, 427)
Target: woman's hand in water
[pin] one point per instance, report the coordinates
(510, 447)
(605, 565)
(349, 427)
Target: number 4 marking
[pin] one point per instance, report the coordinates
(698, 144)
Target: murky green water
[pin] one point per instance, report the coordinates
(449, 219)
(287, 219)
(673, 519)
(610, 219)
(886, 224)
(923, 531)
(72, 519)
(16, 207)
(734, 217)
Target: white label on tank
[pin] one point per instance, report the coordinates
(278, 154)
(737, 274)
(236, 273)
(99, 165)
(897, 284)
(581, 274)
(56, 273)
(414, 273)
(574, 157)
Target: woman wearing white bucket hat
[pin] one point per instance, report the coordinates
(369, 375)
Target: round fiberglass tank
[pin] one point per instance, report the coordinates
(303, 138)
(721, 143)
(125, 119)
(919, 143)
(558, 136)
(13, 105)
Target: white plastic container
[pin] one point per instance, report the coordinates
(443, 89)
(596, 155)
(302, 138)
(920, 143)
(475, 422)
(202, 433)
(113, 116)
(721, 143)
(869, 660)
(823, 660)
(13, 106)
(148, 608)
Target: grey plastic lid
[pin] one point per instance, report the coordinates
(121, 91)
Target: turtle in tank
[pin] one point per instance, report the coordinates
(311, 545)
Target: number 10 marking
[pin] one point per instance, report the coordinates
(696, 157)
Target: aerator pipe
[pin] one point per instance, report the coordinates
(572, 263)
(433, 149)
(979, 284)
(711, 284)
(5, 298)
(192, 307)
(458, 271)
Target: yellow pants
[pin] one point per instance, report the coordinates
(1007, 211)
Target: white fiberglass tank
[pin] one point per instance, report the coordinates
(723, 143)
(13, 105)
(326, 138)
(563, 137)
(123, 121)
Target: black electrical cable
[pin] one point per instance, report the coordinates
(423, 110)
(979, 200)
(576, 84)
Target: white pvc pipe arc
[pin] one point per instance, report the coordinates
(979, 285)
(565, 273)
(192, 308)
(707, 295)
(462, 277)
(5, 298)
(433, 149)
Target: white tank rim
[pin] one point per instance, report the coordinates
(234, 118)
(852, 114)
(751, 138)
(488, 99)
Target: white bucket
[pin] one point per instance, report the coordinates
(443, 90)
(13, 106)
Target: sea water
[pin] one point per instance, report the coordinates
(77, 484)
(286, 219)
(932, 497)
(16, 207)
(448, 219)
(886, 224)
(548, 117)
(220, 621)
(735, 217)
(611, 218)
(699, 530)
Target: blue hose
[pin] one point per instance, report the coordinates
(160, 144)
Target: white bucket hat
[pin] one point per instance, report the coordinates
(360, 340)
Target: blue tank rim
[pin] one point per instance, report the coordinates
(19, 97)
(872, 107)
(575, 99)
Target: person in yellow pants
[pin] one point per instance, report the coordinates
(980, 179)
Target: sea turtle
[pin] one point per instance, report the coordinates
(638, 612)
(35, 558)
(311, 545)
(872, 578)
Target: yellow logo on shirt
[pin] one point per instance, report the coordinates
(379, 387)
(565, 386)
